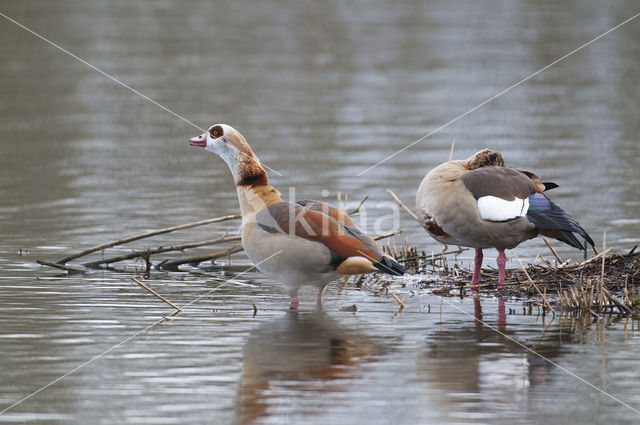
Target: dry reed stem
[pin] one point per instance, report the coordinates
(404, 207)
(398, 300)
(156, 294)
(553, 251)
(626, 295)
(594, 258)
(357, 209)
(544, 299)
(387, 235)
(604, 249)
(618, 304)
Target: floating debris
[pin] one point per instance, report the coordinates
(350, 308)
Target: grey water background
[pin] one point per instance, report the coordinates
(322, 91)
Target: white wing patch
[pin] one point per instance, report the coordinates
(493, 208)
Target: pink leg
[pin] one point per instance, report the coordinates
(294, 302)
(502, 261)
(477, 269)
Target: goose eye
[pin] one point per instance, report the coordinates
(216, 131)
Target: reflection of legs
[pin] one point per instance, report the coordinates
(320, 292)
(477, 268)
(502, 261)
(294, 301)
(502, 316)
(477, 311)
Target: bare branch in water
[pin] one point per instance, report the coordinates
(156, 294)
(146, 235)
(160, 249)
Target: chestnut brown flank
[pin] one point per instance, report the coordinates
(433, 228)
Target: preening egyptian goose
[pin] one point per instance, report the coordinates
(480, 203)
(303, 243)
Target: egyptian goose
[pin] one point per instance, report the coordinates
(303, 243)
(481, 203)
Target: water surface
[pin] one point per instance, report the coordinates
(322, 91)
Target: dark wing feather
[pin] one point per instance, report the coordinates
(553, 221)
(508, 183)
(502, 182)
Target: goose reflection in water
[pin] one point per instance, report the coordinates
(472, 360)
(288, 360)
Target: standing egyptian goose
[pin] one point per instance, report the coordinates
(303, 243)
(480, 203)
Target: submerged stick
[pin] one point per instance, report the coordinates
(146, 235)
(156, 294)
(404, 207)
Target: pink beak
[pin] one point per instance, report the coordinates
(200, 140)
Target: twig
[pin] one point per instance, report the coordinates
(404, 207)
(146, 235)
(398, 300)
(156, 294)
(433, 256)
(357, 209)
(626, 294)
(534, 284)
(553, 251)
(160, 249)
(173, 265)
(604, 248)
(453, 145)
(60, 266)
(482, 285)
(565, 264)
(618, 304)
(388, 235)
(594, 258)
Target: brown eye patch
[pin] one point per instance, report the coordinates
(216, 131)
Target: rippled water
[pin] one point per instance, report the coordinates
(322, 91)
